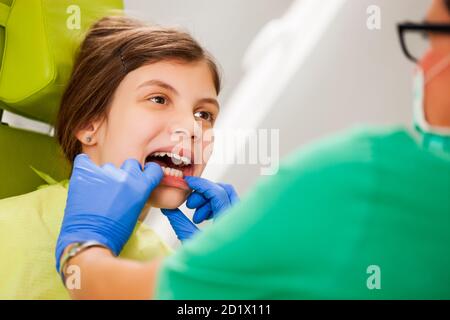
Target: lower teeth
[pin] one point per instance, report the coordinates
(172, 172)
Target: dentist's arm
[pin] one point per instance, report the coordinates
(103, 205)
(103, 276)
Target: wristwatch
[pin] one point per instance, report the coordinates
(73, 250)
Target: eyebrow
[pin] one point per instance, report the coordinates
(211, 101)
(159, 83)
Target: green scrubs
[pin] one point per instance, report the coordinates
(363, 215)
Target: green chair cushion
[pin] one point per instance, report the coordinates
(39, 42)
(21, 151)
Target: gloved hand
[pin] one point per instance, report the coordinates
(209, 199)
(104, 203)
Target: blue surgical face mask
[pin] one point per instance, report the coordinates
(432, 136)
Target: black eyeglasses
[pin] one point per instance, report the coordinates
(414, 37)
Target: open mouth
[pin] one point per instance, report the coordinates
(175, 168)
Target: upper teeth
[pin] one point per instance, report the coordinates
(176, 158)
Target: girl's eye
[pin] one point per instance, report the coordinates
(158, 99)
(204, 115)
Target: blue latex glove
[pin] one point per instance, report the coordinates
(104, 203)
(209, 200)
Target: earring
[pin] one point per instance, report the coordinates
(88, 139)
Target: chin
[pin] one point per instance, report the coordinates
(167, 197)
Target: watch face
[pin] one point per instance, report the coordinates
(74, 249)
(71, 251)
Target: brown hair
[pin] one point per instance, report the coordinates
(113, 47)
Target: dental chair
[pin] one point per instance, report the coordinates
(38, 43)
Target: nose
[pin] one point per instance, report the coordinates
(185, 129)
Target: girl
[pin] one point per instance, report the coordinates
(140, 92)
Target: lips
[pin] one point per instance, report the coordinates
(175, 182)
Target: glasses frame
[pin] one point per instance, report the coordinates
(402, 28)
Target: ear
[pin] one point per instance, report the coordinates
(88, 136)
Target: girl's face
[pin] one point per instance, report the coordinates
(161, 112)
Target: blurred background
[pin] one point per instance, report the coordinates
(307, 68)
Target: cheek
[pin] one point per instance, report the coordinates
(207, 144)
(127, 137)
(437, 86)
(437, 90)
(207, 151)
(432, 58)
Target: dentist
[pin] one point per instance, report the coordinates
(364, 215)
